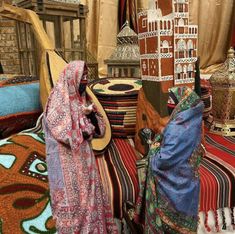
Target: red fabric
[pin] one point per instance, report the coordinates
(122, 13)
(223, 141)
(129, 159)
(15, 123)
(233, 38)
(217, 173)
(220, 153)
(209, 190)
(133, 16)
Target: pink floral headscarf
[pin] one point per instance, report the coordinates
(68, 103)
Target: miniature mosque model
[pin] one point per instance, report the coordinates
(168, 43)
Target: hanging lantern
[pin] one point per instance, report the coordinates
(125, 61)
(223, 97)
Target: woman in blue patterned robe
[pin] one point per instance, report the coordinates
(169, 195)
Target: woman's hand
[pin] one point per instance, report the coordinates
(88, 109)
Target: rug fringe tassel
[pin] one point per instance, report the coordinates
(217, 220)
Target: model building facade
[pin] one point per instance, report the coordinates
(168, 43)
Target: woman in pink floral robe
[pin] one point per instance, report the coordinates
(79, 203)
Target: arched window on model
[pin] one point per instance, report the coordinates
(181, 47)
(150, 26)
(190, 48)
(176, 22)
(179, 71)
(185, 71)
(153, 26)
(165, 46)
(165, 24)
(144, 23)
(190, 70)
(181, 22)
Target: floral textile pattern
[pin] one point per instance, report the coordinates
(79, 203)
(169, 195)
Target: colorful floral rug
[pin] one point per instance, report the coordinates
(24, 193)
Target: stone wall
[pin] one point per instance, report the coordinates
(9, 56)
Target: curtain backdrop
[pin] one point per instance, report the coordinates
(127, 11)
(102, 29)
(214, 17)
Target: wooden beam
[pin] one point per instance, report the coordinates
(12, 12)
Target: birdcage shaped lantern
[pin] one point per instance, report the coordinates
(125, 60)
(223, 97)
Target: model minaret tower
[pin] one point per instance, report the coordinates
(185, 44)
(168, 49)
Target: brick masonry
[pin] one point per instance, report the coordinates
(9, 55)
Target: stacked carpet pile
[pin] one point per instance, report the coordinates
(24, 192)
(118, 97)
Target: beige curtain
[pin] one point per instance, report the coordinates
(102, 29)
(214, 18)
(142, 4)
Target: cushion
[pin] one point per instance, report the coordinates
(20, 104)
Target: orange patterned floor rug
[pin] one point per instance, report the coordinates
(24, 193)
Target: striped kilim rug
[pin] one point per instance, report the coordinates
(218, 173)
(118, 173)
